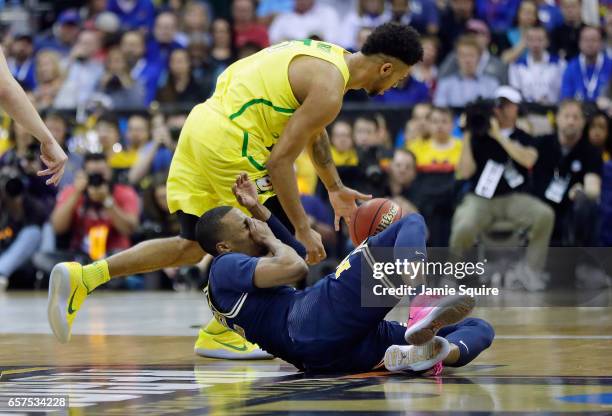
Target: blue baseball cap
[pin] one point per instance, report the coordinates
(69, 17)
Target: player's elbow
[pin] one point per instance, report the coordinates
(298, 270)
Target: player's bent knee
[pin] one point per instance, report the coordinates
(487, 331)
(191, 252)
(414, 220)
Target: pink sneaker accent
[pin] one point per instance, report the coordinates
(436, 370)
(420, 306)
(428, 314)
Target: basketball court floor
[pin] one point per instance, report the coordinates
(132, 353)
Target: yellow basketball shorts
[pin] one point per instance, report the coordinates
(211, 152)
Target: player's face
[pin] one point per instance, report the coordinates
(389, 76)
(238, 236)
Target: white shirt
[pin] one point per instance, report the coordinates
(540, 81)
(320, 20)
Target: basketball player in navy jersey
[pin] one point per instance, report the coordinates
(323, 328)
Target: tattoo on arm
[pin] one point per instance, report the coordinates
(321, 151)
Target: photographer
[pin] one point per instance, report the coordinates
(156, 155)
(21, 218)
(99, 215)
(373, 152)
(496, 157)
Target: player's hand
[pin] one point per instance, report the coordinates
(54, 157)
(315, 252)
(343, 202)
(245, 191)
(260, 231)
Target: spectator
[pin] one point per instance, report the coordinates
(62, 36)
(549, 14)
(417, 127)
(564, 39)
(157, 220)
(117, 83)
(24, 158)
(568, 178)
(342, 145)
(49, 78)
(537, 75)
(458, 89)
(142, 69)
(134, 14)
(588, 74)
(453, 20)
(498, 15)
(205, 71)
(58, 126)
(120, 159)
(163, 41)
(21, 60)
(246, 28)
(497, 163)
(21, 218)
(420, 14)
(155, 155)
(513, 42)
(488, 64)
(402, 173)
(222, 51)
(600, 134)
(307, 19)
(426, 71)
(369, 13)
(83, 73)
(99, 215)
(373, 153)
(434, 188)
(180, 85)
(195, 21)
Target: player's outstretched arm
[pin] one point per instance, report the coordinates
(320, 107)
(16, 103)
(284, 266)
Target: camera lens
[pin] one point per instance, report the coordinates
(96, 179)
(14, 187)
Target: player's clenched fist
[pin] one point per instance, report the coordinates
(313, 244)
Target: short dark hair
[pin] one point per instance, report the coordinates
(109, 118)
(93, 157)
(368, 117)
(209, 230)
(395, 40)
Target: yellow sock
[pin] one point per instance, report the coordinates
(95, 274)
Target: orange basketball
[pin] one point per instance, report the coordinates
(372, 217)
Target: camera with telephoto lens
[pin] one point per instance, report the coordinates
(95, 180)
(478, 116)
(13, 183)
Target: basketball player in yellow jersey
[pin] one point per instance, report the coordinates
(266, 109)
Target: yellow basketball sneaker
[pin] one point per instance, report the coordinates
(66, 295)
(216, 341)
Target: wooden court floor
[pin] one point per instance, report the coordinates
(132, 353)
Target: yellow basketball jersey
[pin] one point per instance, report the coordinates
(255, 94)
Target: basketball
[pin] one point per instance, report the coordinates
(372, 217)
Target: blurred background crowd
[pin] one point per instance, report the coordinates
(115, 80)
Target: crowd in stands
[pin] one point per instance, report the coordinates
(115, 80)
